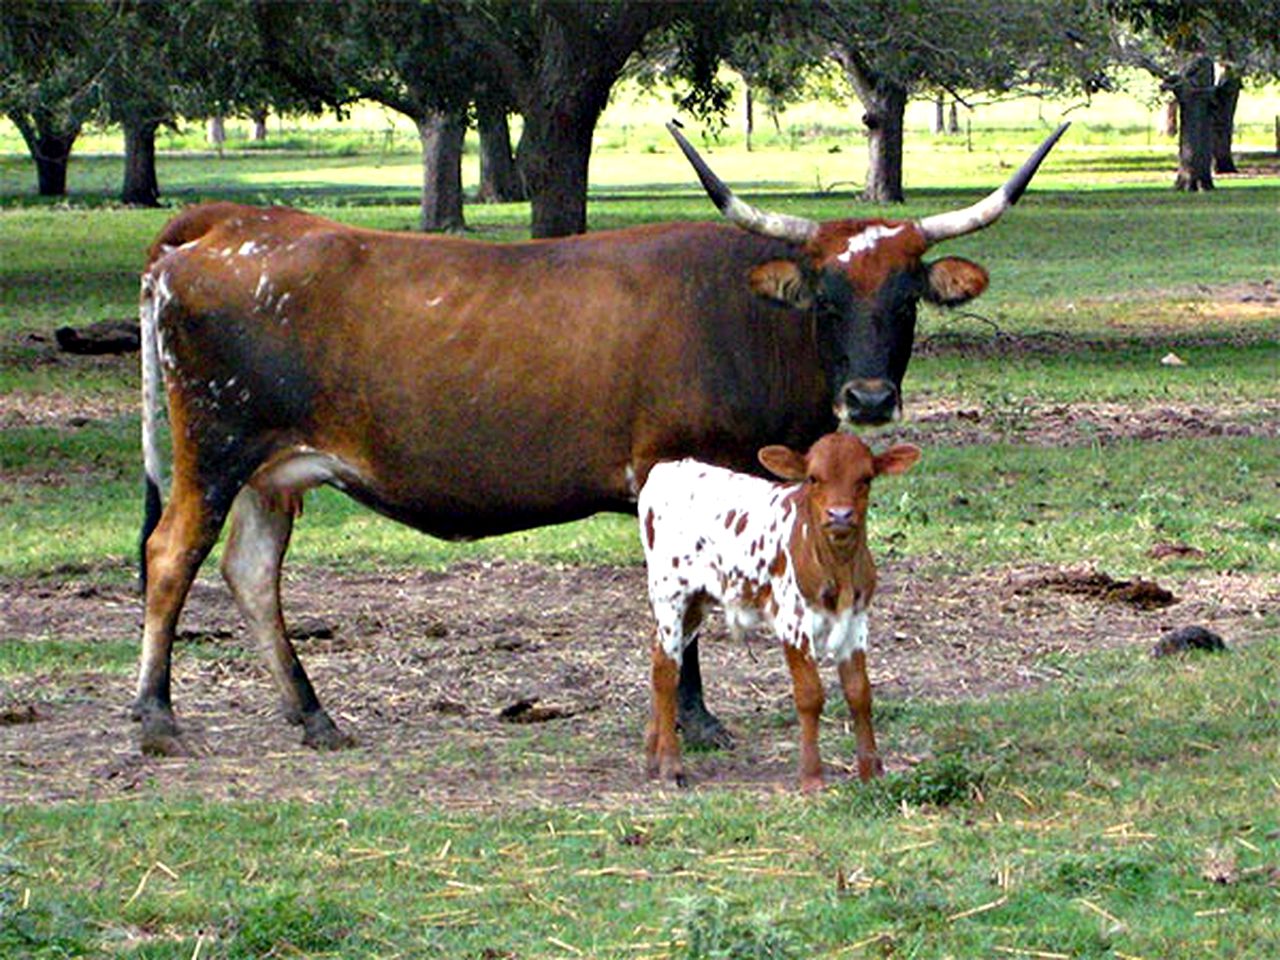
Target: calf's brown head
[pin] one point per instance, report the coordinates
(862, 280)
(837, 472)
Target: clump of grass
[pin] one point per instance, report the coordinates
(938, 782)
(710, 928)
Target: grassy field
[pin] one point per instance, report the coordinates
(1126, 808)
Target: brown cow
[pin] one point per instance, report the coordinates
(469, 389)
(793, 555)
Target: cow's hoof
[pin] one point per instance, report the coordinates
(321, 733)
(160, 736)
(703, 730)
(292, 715)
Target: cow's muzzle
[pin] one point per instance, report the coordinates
(868, 401)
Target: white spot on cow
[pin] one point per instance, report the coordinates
(248, 248)
(435, 301)
(867, 240)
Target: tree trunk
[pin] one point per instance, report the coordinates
(559, 77)
(50, 148)
(1169, 127)
(953, 119)
(885, 103)
(939, 114)
(555, 156)
(217, 133)
(442, 135)
(1194, 90)
(499, 181)
(884, 118)
(749, 125)
(141, 188)
(259, 125)
(1226, 93)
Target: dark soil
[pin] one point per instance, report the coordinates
(518, 684)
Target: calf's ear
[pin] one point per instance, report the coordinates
(954, 280)
(897, 459)
(783, 282)
(783, 462)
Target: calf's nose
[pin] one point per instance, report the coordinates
(841, 517)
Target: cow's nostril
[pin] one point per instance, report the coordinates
(870, 401)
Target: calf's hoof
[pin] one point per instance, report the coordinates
(702, 729)
(870, 768)
(321, 733)
(675, 777)
(667, 772)
(812, 784)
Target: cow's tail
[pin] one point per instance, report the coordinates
(150, 304)
(186, 228)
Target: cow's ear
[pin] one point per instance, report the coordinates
(782, 281)
(953, 281)
(783, 462)
(897, 459)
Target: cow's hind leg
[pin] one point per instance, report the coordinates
(174, 551)
(701, 728)
(251, 566)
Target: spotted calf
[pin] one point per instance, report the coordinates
(791, 554)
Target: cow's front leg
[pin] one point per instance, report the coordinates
(700, 727)
(857, 694)
(809, 698)
(251, 566)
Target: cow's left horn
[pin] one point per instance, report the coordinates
(780, 226)
(957, 223)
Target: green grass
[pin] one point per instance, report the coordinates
(1235, 370)
(1118, 813)
(53, 656)
(964, 508)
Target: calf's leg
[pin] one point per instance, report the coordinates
(251, 566)
(809, 698)
(662, 749)
(857, 694)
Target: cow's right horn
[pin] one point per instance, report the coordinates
(957, 223)
(780, 226)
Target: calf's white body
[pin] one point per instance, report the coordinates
(793, 555)
(719, 538)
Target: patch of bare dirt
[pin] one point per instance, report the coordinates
(1066, 424)
(57, 408)
(517, 685)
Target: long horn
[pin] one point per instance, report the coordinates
(780, 226)
(957, 223)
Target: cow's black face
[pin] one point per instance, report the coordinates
(865, 316)
(865, 343)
